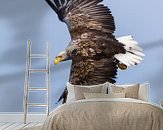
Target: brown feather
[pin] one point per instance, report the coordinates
(91, 27)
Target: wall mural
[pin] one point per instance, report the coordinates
(95, 52)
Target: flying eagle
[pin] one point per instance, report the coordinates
(95, 52)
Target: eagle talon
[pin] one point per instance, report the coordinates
(122, 66)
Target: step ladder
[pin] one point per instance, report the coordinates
(29, 89)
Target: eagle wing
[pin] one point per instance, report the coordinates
(92, 23)
(86, 14)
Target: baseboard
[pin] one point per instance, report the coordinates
(19, 117)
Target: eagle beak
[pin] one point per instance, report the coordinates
(57, 60)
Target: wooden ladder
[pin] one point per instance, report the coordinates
(27, 81)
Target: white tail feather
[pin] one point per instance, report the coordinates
(133, 55)
(137, 53)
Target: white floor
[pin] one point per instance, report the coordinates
(17, 126)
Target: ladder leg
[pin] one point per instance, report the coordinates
(27, 83)
(25, 110)
(48, 80)
(47, 111)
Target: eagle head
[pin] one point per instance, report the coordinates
(62, 56)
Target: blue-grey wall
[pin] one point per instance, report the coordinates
(21, 20)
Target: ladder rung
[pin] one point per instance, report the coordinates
(37, 105)
(38, 55)
(37, 89)
(38, 70)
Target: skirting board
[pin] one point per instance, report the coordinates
(19, 117)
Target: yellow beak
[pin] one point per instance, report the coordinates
(57, 60)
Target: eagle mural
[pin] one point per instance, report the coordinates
(95, 52)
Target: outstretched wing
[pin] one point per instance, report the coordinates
(92, 23)
(83, 16)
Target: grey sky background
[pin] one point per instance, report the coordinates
(21, 20)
